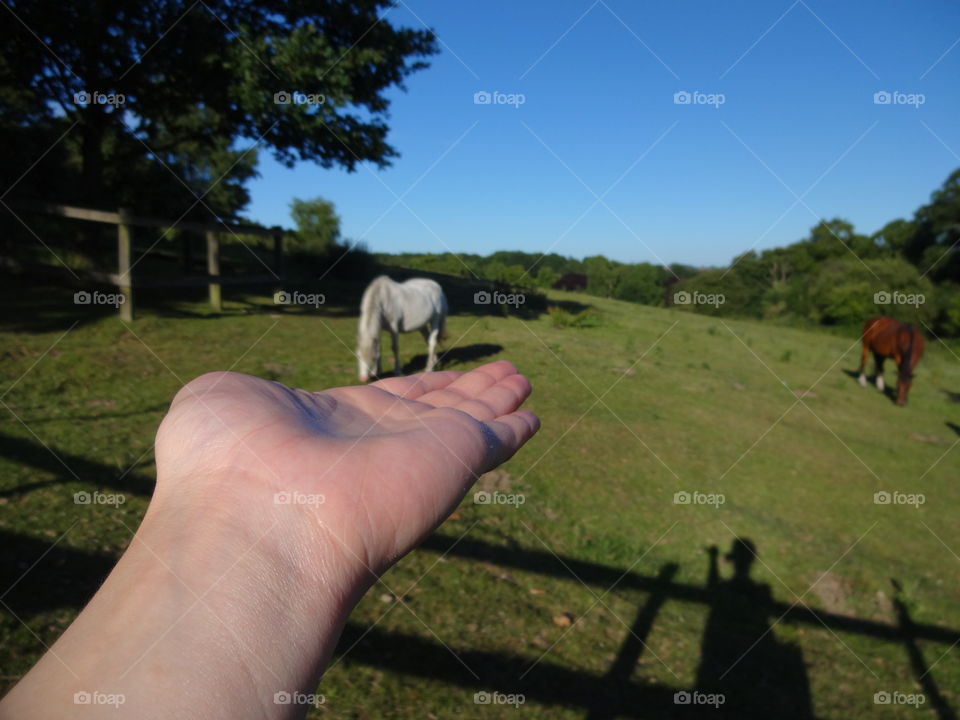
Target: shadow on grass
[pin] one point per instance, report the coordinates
(39, 306)
(68, 468)
(744, 672)
(44, 302)
(449, 359)
(889, 391)
(62, 576)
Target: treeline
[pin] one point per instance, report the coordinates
(909, 269)
(639, 282)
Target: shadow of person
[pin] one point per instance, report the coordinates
(740, 658)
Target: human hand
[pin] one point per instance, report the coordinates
(224, 578)
(370, 469)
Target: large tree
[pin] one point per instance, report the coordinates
(199, 83)
(936, 245)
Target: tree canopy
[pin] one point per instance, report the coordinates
(116, 93)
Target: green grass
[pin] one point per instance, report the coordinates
(636, 406)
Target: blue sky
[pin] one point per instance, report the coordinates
(798, 135)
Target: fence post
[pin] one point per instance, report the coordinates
(278, 251)
(213, 268)
(124, 278)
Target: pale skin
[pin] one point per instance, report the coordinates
(230, 593)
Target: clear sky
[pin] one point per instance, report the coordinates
(798, 135)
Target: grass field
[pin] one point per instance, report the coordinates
(593, 597)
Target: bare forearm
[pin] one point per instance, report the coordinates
(198, 619)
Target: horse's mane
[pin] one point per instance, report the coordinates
(370, 307)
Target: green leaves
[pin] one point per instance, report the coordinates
(199, 82)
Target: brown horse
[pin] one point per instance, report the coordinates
(885, 337)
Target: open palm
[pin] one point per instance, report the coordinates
(376, 466)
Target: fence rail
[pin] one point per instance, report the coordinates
(124, 280)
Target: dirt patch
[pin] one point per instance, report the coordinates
(108, 404)
(885, 607)
(495, 481)
(833, 591)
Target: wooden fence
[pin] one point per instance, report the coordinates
(123, 278)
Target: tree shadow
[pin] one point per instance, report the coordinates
(41, 306)
(953, 426)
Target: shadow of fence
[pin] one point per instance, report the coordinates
(768, 687)
(61, 576)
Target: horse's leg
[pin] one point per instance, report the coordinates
(432, 348)
(878, 363)
(425, 332)
(863, 365)
(395, 341)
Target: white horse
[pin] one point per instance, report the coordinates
(417, 304)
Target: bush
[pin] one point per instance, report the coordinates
(844, 292)
(564, 318)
